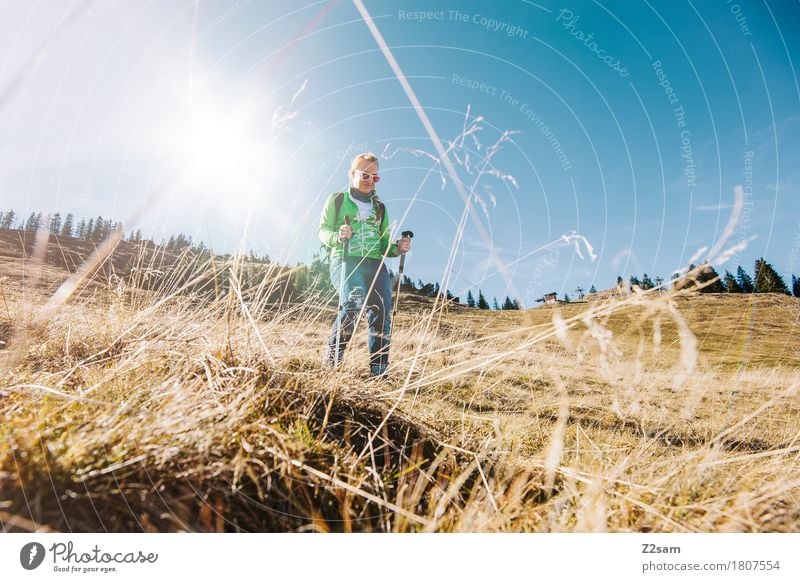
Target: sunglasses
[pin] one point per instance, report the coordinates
(374, 178)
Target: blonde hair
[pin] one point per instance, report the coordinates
(366, 156)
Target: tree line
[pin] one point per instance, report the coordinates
(291, 283)
(93, 229)
(481, 302)
(765, 279)
(304, 279)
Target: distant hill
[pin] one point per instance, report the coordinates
(69, 253)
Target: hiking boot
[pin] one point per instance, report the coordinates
(328, 359)
(378, 371)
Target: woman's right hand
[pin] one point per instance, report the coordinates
(345, 232)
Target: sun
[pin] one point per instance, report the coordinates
(221, 145)
(223, 157)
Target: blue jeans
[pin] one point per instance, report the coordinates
(362, 274)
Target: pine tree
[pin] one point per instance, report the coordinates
(508, 304)
(183, 242)
(8, 219)
(66, 228)
(300, 279)
(647, 282)
(96, 230)
(202, 253)
(592, 289)
(795, 286)
(427, 290)
(318, 276)
(482, 303)
(470, 299)
(102, 229)
(634, 280)
(767, 279)
(744, 280)
(730, 283)
(705, 276)
(495, 306)
(34, 222)
(566, 298)
(55, 223)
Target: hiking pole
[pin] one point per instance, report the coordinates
(405, 234)
(342, 278)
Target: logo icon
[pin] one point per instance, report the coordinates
(31, 556)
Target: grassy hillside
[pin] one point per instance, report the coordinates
(130, 410)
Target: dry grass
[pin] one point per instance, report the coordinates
(130, 410)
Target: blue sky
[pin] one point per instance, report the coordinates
(628, 123)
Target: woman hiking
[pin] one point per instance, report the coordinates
(355, 222)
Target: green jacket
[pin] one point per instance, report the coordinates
(369, 239)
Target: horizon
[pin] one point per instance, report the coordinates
(646, 281)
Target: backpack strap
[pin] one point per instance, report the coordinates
(337, 205)
(380, 210)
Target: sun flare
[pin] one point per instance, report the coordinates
(221, 146)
